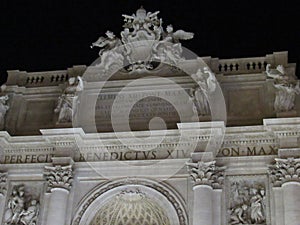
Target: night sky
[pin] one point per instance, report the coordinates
(49, 35)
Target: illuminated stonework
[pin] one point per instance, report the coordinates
(208, 141)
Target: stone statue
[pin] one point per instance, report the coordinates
(15, 206)
(238, 215)
(110, 54)
(143, 41)
(206, 85)
(278, 73)
(107, 43)
(67, 102)
(286, 89)
(192, 101)
(17, 213)
(3, 109)
(285, 96)
(174, 37)
(169, 49)
(30, 216)
(256, 207)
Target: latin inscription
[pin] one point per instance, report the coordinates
(248, 151)
(144, 104)
(139, 155)
(27, 158)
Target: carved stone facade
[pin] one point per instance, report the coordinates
(158, 137)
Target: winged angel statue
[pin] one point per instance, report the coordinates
(110, 54)
(143, 40)
(169, 50)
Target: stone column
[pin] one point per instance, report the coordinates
(207, 178)
(3, 179)
(59, 179)
(286, 174)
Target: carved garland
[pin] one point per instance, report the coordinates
(177, 206)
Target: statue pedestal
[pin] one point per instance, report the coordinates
(292, 113)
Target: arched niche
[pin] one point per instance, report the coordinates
(164, 196)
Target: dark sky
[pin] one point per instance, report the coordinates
(49, 35)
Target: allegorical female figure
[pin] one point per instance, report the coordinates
(67, 103)
(256, 207)
(206, 85)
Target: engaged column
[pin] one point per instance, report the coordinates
(285, 175)
(59, 179)
(208, 180)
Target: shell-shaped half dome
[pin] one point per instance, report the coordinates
(131, 208)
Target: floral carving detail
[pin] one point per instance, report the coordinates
(206, 173)
(3, 179)
(285, 170)
(59, 177)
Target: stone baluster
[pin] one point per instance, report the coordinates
(3, 190)
(285, 175)
(208, 180)
(59, 180)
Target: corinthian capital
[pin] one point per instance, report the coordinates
(285, 170)
(206, 173)
(3, 179)
(59, 177)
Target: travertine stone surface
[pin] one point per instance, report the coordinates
(68, 156)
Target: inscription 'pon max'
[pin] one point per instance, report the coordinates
(248, 151)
